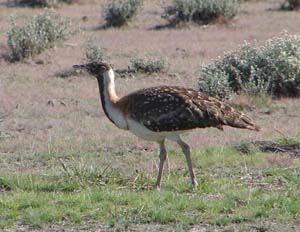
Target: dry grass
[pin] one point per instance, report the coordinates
(38, 133)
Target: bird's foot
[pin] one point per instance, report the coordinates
(157, 187)
(194, 184)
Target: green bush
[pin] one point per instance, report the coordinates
(40, 33)
(273, 68)
(148, 65)
(42, 3)
(119, 13)
(200, 11)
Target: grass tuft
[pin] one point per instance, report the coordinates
(4, 185)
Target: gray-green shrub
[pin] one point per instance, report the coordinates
(42, 3)
(200, 11)
(273, 68)
(119, 13)
(93, 52)
(291, 5)
(40, 33)
(147, 64)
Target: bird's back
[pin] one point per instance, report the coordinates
(171, 108)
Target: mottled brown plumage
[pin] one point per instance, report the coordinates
(171, 108)
(164, 112)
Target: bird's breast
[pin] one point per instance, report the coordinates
(138, 129)
(115, 115)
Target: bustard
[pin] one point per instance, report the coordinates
(164, 112)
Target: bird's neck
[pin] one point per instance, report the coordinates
(109, 99)
(107, 87)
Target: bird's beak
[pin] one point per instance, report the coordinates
(80, 66)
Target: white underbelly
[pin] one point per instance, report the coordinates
(144, 133)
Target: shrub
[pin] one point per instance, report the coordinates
(40, 33)
(273, 68)
(42, 3)
(291, 5)
(200, 11)
(148, 65)
(94, 52)
(119, 13)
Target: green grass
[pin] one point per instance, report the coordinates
(234, 189)
(288, 140)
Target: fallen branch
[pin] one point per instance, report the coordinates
(267, 146)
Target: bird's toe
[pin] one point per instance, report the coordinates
(157, 187)
(195, 184)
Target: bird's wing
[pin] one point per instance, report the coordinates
(173, 108)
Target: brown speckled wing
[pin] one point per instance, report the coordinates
(173, 108)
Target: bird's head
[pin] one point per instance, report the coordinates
(97, 69)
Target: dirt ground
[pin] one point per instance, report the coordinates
(40, 112)
(30, 121)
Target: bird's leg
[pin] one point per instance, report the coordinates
(168, 165)
(162, 158)
(186, 150)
